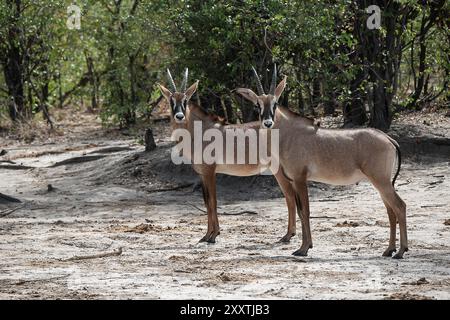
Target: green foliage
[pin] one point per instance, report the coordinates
(125, 41)
(30, 49)
(124, 46)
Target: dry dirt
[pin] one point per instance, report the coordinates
(105, 231)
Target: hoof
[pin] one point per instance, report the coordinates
(399, 255)
(300, 253)
(210, 237)
(286, 238)
(389, 252)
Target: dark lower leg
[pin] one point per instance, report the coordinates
(289, 195)
(209, 197)
(392, 225)
(303, 202)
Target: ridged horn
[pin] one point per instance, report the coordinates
(185, 79)
(258, 82)
(273, 85)
(171, 82)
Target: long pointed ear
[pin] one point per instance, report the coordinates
(280, 88)
(248, 94)
(191, 90)
(165, 92)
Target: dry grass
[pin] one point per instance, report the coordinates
(26, 132)
(69, 123)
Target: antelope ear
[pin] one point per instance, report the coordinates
(165, 92)
(280, 88)
(191, 90)
(248, 94)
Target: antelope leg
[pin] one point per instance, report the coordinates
(393, 226)
(302, 199)
(209, 197)
(289, 194)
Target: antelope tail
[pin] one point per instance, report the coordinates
(399, 159)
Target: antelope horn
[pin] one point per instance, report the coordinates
(172, 83)
(185, 79)
(258, 82)
(274, 80)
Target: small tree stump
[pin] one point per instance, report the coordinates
(149, 140)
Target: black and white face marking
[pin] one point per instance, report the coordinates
(177, 100)
(178, 104)
(268, 106)
(267, 103)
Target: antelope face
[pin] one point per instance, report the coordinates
(266, 103)
(178, 99)
(178, 105)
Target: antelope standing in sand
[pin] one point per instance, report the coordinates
(184, 115)
(333, 156)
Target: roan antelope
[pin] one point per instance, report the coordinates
(184, 114)
(333, 156)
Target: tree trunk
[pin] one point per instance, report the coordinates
(329, 106)
(300, 101)
(316, 94)
(228, 106)
(130, 116)
(422, 55)
(381, 116)
(93, 80)
(381, 52)
(13, 68)
(218, 107)
(355, 111)
(149, 140)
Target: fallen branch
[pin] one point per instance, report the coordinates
(249, 212)
(322, 217)
(8, 212)
(199, 209)
(5, 198)
(181, 186)
(237, 213)
(36, 154)
(433, 206)
(8, 161)
(77, 160)
(111, 150)
(21, 282)
(15, 167)
(225, 213)
(435, 182)
(117, 252)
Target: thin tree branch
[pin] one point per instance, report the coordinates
(117, 252)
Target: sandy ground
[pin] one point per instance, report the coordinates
(110, 206)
